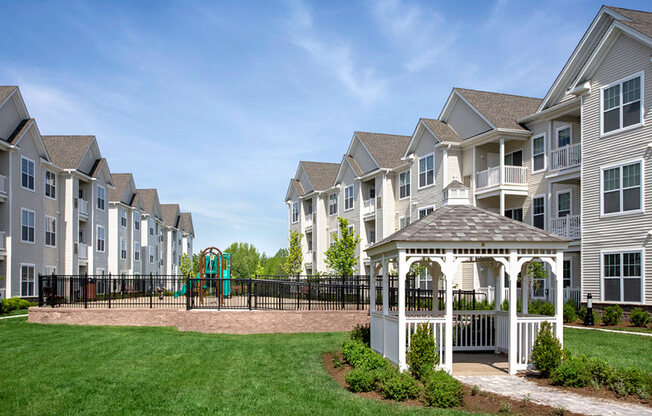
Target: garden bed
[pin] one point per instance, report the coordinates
(624, 327)
(479, 402)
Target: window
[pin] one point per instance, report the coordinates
(372, 236)
(27, 222)
(621, 104)
(50, 184)
(332, 204)
(151, 227)
(123, 217)
(404, 185)
(50, 270)
(372, 191)
(333, 238)
(27, 173)
(403, 222)
(309, 241)
(350, 229)
(538, 286)
(136, 220)
(515, 214)
(50, 231)
(123, 248)
(539, 212)
(27, 280)
(295, 212)
(424, 280)
(538, 153)
(514, 158)
(563, 136)
(425, 211)
(621, 189)
(568, 272)
(348, 198)
(136, 251)
(100, 197)
(426, 170)
(622, 276)
(100, 238)
(151, 254)
(563, 204)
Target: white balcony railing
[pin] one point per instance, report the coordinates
(308, 220)
(369, 206)
(83, 207)
(569, 226)
(512, 175)
(3, 185)
(566, 157)
(82, 251)
(3, 245)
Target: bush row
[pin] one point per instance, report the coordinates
(12, 304)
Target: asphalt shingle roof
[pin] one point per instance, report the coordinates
(320, 174)
(120, 181)
(148, 197)
(502, 110)
(640, 21)
(6, 91)
(187, 223)
(170, 213)
(386, 149)
(466, 223)
(443, 131)
(20, 130)
(67, 151)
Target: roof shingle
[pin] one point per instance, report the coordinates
(502, 110)
(640, 21)
(386, 149)
(170, 213)
(120, 181)
(67, 151)
(320, 174)
(443, 131)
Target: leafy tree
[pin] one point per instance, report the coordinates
(195, 265)
(294, 260)
(537, 270)
(274, 265)
(340, 256)
(244, 259)
(186, 266)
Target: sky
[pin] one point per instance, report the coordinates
(215, 103)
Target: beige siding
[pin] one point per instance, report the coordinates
(465, 121)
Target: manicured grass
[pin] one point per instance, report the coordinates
(620, 350)
(57, 369)
(16, 312)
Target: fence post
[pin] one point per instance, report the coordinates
(298, 291)
(309, 293)
(40, 290)
(151, 289)
(342, 292)
(53, 286)
(473, 299)
(85, 290)
(109, 289)
(249, 292)
(188, 290)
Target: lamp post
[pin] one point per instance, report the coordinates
(588, 319)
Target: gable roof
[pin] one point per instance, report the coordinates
(501, 110)
(187, 223)
(638, 20)
(386, 149)
(149, 197)
(320, 174)
(441, 130)
(67, 151)
(170, 213)
(466, 223)
(6, 91)
(120, 181)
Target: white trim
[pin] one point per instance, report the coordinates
(545, 158)
(532, 210)
(337, 202)
(20, 279)
(352, 197)
(136, 251)
(409, 184)
(97, 197)
(434, 169)
(292, 220)
(121, 210)
(568, 126)
(640, 74)
(642, 185)
(569, 259)
(45, 184)
(21, 225)
(45, 231)
(621, 251)
(424, 209)
(570, 200)
(21, 173)
(97, 237)
(400, 218)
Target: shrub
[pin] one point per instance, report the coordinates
(601, 371)
(12, 304)
(442, 390)
(539, 307)
(582, 314)
(631, 381)
(361, 333)
(401, 386)
(360, 379)
(422, 356)
(639, 317)
(570, 314)
(612, 315)
(572, 373)
(360, 356)
(546, 351)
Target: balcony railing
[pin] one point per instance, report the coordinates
(369, 206)
(512, 175)
(569, 226)
(82, 251)
(3, 185)
(566, 157)
(308, 220)
(3, 245)
(83, 207)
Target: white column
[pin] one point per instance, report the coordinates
(500, 287)
(449, 274)
(385, 289)
(559, 295)
(473, 178)
(435, 293)
(525, 289)
(513, 341)
(502, 203)
(402, 272)
(502, 163)
(372, 288)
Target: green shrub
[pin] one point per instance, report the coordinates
(12, 304)
(582, 314)
(400, 387)
(546, 351)
(612, 315)
(601, 371)
(360, 356)
(631, 381)
(540, 307)
(572, 373)
(361, 333)
(422, 355)
(639, 317)
(360, 379)
(570, 311)
(442, 390)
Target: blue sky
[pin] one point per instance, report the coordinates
(215, 103)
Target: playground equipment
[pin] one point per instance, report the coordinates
(213, 265)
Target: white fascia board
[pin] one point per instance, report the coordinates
(548, 112)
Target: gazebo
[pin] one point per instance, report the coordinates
(455, 233)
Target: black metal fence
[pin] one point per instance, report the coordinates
(261, 292)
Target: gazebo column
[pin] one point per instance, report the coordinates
(449, 273)
(525, 289)
(559, 295)
(402, 273)
(513, 318)
(385, 289)
(500, 287)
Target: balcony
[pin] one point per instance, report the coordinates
(369, 206)
(308, 220)
(512, 175)
(3, 188)
(82, 252)
(566, 157)
(3, 245)
(569, 226)
(83, 208)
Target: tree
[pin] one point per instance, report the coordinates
(185, 267)
(294, 260)
(274, 265)
(195, 265)
(340, 256)
(538, 272)
(244, 259)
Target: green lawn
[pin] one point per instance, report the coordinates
(621, 350)
(56, 369)
(14, 313)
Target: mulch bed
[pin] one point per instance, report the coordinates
(603, 393)
(482, 402)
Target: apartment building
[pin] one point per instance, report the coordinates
(125, 216)
(572, 163)
(151, 229)
(172, 237)
(187, 234)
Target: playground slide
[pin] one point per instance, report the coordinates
(182, 291)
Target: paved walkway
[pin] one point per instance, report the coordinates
(645, 334)
(13, 316)
(518, 387)
(479, 364)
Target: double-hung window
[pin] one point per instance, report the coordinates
(50, 231)
(50, 184)
(403, 222)
(538, 153)
(425, 211)
(568, 273)
(27, 280)
(151, 254)
(123, 217)
(515, 214)
(151, 227)
(123, 248)
(348, 198)
(426, 170)
(333, 238)
(27, 225)
(563, 204)
(100, 197)
(622, 276)
(136, 251)
(100, 238)
(27, 173)
(539, 212)
(622, 104)
(332, 204)
(404, 185)
(295, 212)
(621, 189)
(136, 220)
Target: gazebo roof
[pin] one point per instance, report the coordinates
(466, 223)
